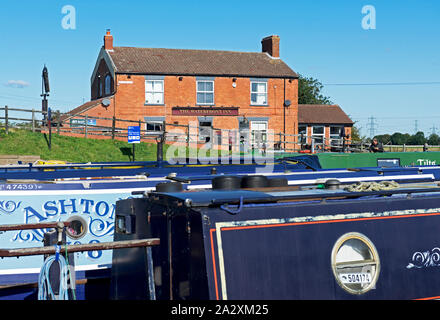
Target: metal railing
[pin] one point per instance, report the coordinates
(61, 227)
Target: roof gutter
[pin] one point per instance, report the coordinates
(209, 75)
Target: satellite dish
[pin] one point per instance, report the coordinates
(105, 102)
(287, 103)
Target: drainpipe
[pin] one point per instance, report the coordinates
(284, 113)
(115, 89)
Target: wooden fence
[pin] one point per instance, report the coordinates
(115, 128)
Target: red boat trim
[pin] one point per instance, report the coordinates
(212, 231)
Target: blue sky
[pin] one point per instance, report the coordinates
(391, 73)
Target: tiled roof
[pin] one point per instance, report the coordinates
(198, 62)
(322, 114)
(84, 107)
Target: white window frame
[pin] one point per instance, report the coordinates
(335, 137)
(155, 122)
(318, 135)
(153, 92)
(205, 92)
(259, 93)
(263, 132)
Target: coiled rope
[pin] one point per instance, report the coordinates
(372, 186)
(45, 291)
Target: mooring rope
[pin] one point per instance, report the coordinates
(45, 291)
(372, 186)
(70, 274)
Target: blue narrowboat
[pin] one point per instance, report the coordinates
(272, 243)
(89, 193)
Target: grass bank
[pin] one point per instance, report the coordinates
(72, 149)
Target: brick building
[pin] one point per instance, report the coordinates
(323, 123)
(225, 90)
(212, 90)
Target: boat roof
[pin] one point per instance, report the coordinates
(221, 197)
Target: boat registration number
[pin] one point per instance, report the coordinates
(20, 186)
(363, 277)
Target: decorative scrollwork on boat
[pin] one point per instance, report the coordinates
(36, 235)
(101, 228)
(9, 206)
(425, 259)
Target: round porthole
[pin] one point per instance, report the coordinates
(77, 227)
(355, 263)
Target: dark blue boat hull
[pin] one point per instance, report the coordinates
(293, 260)
(278, 250)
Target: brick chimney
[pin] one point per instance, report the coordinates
(271, 45)
(108, 41)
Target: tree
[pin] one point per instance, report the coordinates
(417, 139)
(398, 138)
(434, 140)
(355, 134)
(309, 91)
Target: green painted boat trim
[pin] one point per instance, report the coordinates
(349, 160)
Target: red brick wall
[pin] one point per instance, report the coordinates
(130, 101)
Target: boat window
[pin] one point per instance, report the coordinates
(77, 227)
(355, 263)
(395, 162)
(125, 224)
